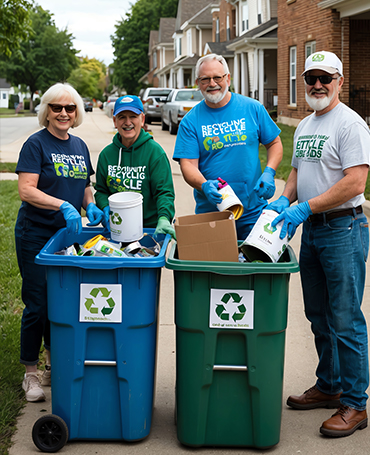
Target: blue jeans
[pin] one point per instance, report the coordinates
(333, 266)
(29, 240)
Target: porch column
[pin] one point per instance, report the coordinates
(246, 75)
(261, 75)
(244, 86)
(236, 79)
(180, 77)
(255, 73)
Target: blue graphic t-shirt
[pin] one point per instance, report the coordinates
(64, 169)
(226, 142)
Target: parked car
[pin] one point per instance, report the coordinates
(88, 104)
(178, 103)
(37, 108)
(153, 98)
(108, 105)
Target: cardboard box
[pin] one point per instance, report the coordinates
(207, 237)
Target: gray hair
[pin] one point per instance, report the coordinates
(53, 95)
(207, 57)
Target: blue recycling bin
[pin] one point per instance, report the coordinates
(103, 317)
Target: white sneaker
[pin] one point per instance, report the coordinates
(46, 376)
(31, 385)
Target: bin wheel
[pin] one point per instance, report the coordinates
(50, 433)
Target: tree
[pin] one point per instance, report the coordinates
(131, 39)
(89, 78)
(15, 24)
(46, 58)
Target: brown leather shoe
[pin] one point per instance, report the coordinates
(344, 422)
(312, 399)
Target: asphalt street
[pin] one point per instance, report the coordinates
(299, 429)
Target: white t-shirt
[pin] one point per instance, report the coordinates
(326, 145)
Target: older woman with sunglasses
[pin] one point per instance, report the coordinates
(54, 170)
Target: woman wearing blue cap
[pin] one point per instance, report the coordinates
(135, 162)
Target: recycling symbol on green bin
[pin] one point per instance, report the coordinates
(115, 217)
(91, 305)
(238, 313)
(269, 229)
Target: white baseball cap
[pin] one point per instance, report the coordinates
(325, 61)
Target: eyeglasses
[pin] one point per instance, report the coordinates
(69, 108)
(207, 80)
(311, 80)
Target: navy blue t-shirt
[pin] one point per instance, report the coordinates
(64, 169)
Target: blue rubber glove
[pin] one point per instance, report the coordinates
(265, 186)
(279, 205)
(105, 221)
(94, 215)
(165, 227)
(293, 217)
(209, 189)
(72, 217)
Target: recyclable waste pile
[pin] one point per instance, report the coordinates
(100, 246)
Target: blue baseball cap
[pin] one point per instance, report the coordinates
(128, 103)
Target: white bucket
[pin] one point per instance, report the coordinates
(263, 243)
(126, 216)
(230, 201)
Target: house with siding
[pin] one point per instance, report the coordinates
(150, 78)
(165, 50)
(193, 28)
(5, 92)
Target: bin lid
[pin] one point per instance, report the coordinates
(62, 239)
(233, 268)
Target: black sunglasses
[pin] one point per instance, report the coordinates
(311, 80)
(58, 108)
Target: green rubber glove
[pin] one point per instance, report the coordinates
(165, 227)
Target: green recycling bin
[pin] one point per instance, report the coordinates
(231, 320)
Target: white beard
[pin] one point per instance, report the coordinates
(215, 98)
(319, 104)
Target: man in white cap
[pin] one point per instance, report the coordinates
(330, 166)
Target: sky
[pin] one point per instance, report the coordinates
(91, 22)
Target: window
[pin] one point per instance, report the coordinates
(293, 76)
(177, 47)
(218, 30)
(245, 17)
(188, 42)
(228, 31)
(310, 48)
(259, 11)
(4, 96)
(155, 59)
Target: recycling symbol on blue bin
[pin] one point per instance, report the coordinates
(91, 306)
(237, 310)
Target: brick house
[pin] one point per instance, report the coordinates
(339, 26)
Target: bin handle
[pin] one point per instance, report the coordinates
(230, 367)
(103, 363)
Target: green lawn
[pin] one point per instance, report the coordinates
(5, 112)
(11, 371)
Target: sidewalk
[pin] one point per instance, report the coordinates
(299, 429)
